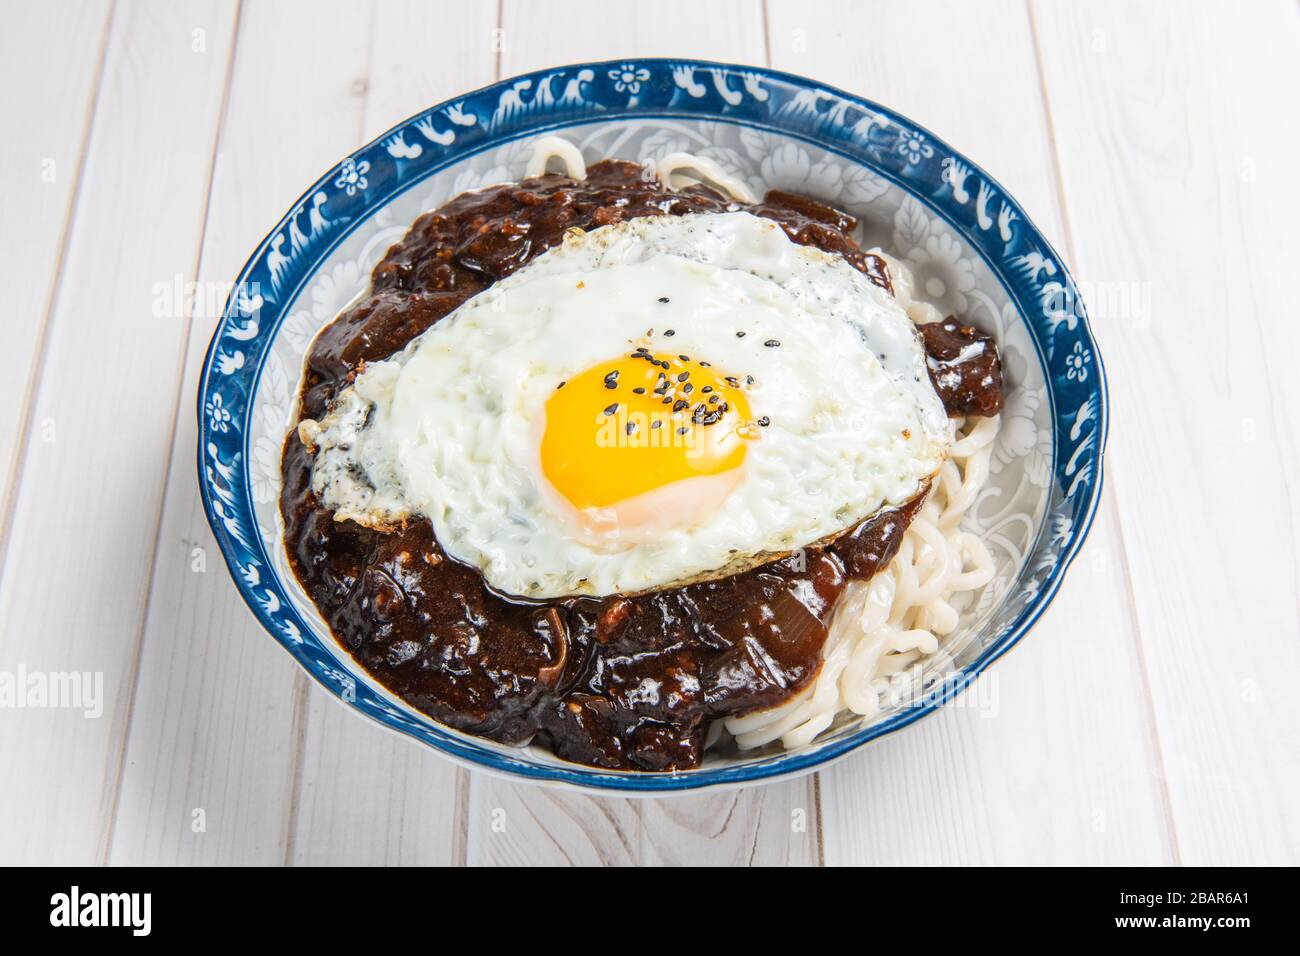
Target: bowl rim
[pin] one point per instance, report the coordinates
(221, 502)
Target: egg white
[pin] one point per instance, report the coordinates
(448, 428)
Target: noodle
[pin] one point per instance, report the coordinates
(884, 625)
(553, 147)
(674, 172)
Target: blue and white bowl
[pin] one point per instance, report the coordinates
(972, 249)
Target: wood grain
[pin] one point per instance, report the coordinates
(1176, 167)
(220, 710)
(77, 572)
(548, 826)
(1148, 718)
(1053, 769)
(538, 35)
(368, 796)
(40, 171)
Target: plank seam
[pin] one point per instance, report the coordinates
(499, 39)
(22, 441)
(460, 828)
(767, 33)
(298, 731)
(817, 809)
(302, 688)
(460, 847)
(118, 773)
(1153, 727)
(816, 789)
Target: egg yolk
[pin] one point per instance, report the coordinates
(642, 421)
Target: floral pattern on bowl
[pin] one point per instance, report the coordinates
(970, 247)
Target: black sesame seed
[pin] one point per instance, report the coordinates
(684, 358)
(764, 421)
(631, 427)
(655, 424)
(638, 391)
(683, 430)
(732, 381)
(680, 404)
(705, 365)
(560, 386)
(684, 376)
(668, 400)
(688, 389)
(706, 389)
(749, 380)
(740, 335)
(772, 343)
(664, 298)
(610, 410)
(611, 380)
(713, 399)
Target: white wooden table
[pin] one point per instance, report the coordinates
(1151, 717)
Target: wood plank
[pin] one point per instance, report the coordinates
(520, 825)
(513, 824)
(39, 171)
(423, 54)
(220, 710)
(369, 796)
(1176, 168)
(539, 35)
(1059, 766)
(76, 576)
(1041, 763)
(553, 826)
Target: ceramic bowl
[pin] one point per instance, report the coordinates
(972, 249)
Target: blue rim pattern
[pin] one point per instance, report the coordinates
(973, 203)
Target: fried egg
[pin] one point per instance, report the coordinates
(655, 402)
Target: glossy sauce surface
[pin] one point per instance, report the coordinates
(619, 682)
(965, 367)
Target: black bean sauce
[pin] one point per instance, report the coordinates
(965, 367)
(619, 682)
